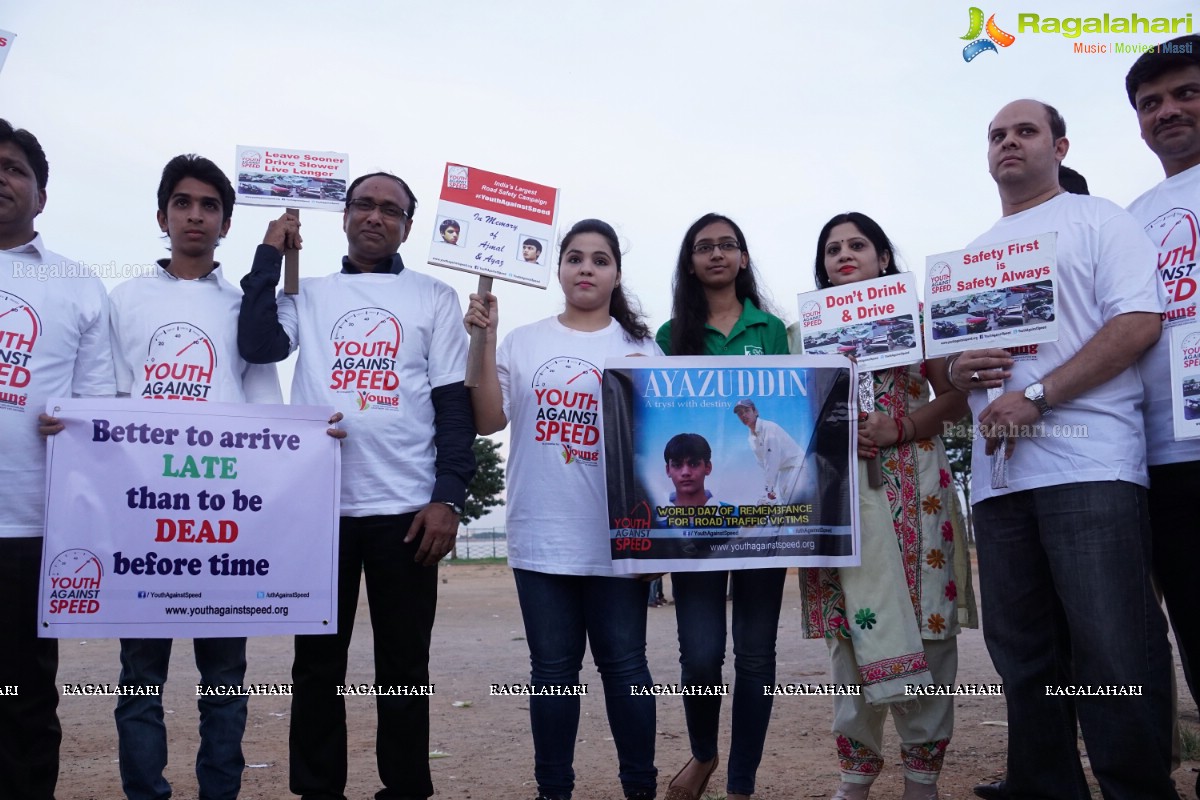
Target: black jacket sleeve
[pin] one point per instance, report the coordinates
(454, 433)
(261, 339)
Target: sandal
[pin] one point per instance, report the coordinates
(680, 793)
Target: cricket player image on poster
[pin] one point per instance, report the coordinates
(727, 463)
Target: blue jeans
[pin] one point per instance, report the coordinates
(700, 615)
(560, 612)
(1064, 575)
(142, 736)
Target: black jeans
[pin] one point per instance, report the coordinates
(29, 731)
(1176, 534)
(402, 596)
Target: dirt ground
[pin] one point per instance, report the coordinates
(478, 640)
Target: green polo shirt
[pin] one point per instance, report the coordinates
(756, 333)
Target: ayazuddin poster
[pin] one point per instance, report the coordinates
(730, 462)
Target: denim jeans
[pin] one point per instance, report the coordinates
(560, 612)
(142, 736)
(29, 730)
(402, 597)
(1064, 574)
(700, 615)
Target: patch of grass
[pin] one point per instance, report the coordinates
(449, 562)
(1189, 743)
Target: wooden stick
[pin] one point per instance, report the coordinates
(291, 265)
(475, 352)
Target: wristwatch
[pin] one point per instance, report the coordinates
(455, 506)
(1037, 393)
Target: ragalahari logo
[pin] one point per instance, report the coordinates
(995, 36)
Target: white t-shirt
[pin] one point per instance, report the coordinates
(54, 342)
(375, 346)
(177, 340)
(557, 508)
(1105, 268)
(1168, 212)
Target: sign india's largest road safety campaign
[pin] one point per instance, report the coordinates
(495, 226)
(178, 519)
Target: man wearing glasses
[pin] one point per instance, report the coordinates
(384, 346)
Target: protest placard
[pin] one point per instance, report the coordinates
(780, 487)
(293, 179)
(1185, 380)
(6, 42)
(297, 178)
(178, 518)
(875, 321)
(495, 226)
(1000, 295)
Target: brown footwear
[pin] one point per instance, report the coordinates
(681, 793)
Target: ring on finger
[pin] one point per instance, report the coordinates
(975, 377)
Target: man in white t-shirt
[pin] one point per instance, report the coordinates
(1071, 621)
(385, 346)
(174, 336)
(777, 453)
(54, 342)
(1164, 89)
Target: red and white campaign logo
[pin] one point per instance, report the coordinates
(810, 314)
(567, 391)
(251, 159)
(20, 327)
(180, 363)
(939, 278)
(1176, 233)
(75, 582)
(1191, 352)
(366, 344)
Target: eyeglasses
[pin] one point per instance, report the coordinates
(707, 247)
(390, 210)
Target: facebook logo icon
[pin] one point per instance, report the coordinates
(143, 595)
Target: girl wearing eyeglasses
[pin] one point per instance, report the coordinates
(545, 378)
(893, 621)
(717, 310)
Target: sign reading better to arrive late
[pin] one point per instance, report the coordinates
(175, 518)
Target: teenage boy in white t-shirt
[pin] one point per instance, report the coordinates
(53, 343)
(1164, 89)
(383, 344)
(174, 336)
(1064, 549)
